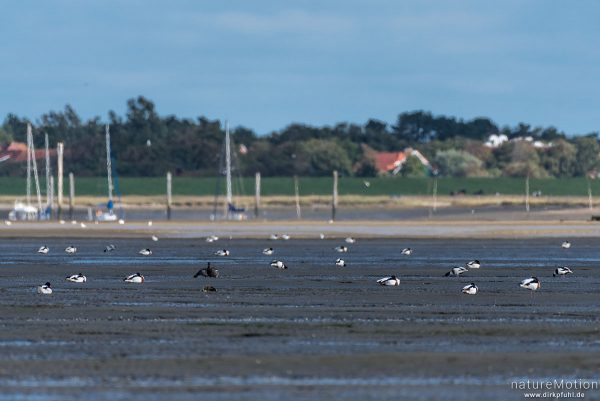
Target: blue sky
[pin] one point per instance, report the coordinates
(264, 64)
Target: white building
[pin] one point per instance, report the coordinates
(495, 141)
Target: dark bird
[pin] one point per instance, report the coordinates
(208, 272)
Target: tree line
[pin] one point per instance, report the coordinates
(145, 143)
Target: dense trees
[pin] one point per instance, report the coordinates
(587, 154)
(559, 160)
(4, 136)
(458, 163)
(413, 168)
(420, 126)
(148, 144)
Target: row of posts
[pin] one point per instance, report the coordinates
(334, 201)
(71, 196)
(334, 198)
(60, 153)
(257, 192)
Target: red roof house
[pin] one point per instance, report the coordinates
(17, 152)
(389, 161)
(392, 162)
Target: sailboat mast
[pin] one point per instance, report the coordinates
(228, 163)
(35, 171)
(28, 164)
(48, 188)
(109, 164)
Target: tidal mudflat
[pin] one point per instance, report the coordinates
(313, 331)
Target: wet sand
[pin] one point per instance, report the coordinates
(431, 229)
(408, 208)
(313, 331)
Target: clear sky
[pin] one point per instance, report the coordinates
(264, 64)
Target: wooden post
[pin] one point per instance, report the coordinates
(527, 193)
(297, 192)
(169, 194)
(47, 159)
(71, 195)
(60, 152)
(256, 195)
(435, 193)
(51, 196)
(590, 199)
(334, 200)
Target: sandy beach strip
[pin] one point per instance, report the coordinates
(183, 202)
(310, 229)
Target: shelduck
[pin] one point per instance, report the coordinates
(456, 271)
(45, 289)
(470, 289)
(134, 278)
(278, 264)
(77, 278)
(340, 262)
(389, 281)
(562, 271)
(531, 283)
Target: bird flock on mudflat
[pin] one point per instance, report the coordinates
(531, 283)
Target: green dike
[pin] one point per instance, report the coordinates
(387, 186)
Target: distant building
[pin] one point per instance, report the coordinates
(392, 162)
(388, 161)
(17, 152)
(495, 141)
(535, 143)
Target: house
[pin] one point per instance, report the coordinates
(536, 143)
(392, 162)
(17, 152)
(388, 161)
(495, 141)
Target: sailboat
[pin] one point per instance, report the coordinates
(25, 211)
(109, 214)
(231, 211)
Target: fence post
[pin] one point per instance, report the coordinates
(71, 195)
(334, 200)
(297, 192)
(60, 152)
(169, 194)
(256, 195)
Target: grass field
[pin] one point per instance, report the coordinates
(388, 186)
